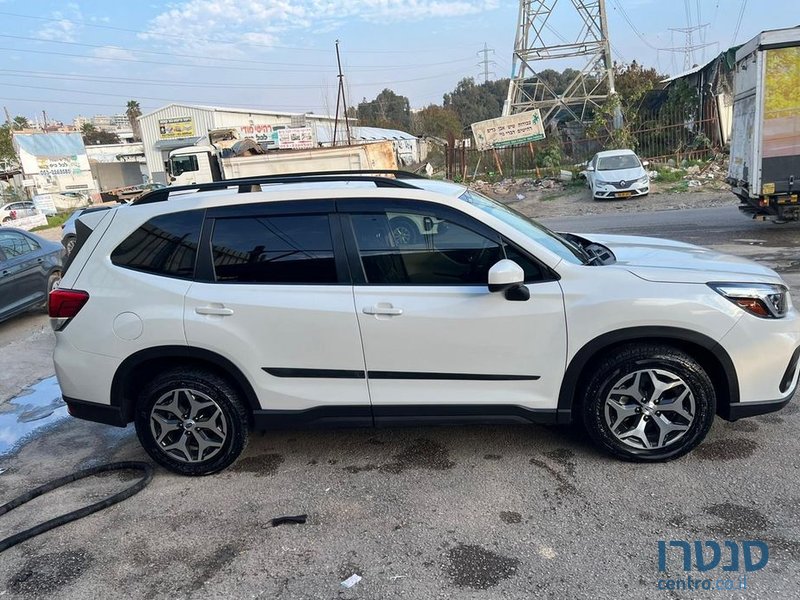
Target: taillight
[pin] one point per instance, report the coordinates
(65, 304)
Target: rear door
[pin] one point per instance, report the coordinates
(436, 341)
(274, 294)
(23, 274)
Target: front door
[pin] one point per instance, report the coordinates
(277, 298)
(434, 337)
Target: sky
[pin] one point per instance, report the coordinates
(88, 58)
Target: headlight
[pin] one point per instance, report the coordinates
(765, 300)
(642, 180)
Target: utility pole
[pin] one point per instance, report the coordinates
(539, 44)
(340, 97)
(44, 121)
(8, 116)
(486, 62)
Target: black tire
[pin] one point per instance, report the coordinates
(404, 231)
(69, 244)
(670, 362)
(52, 281)
(201, 383)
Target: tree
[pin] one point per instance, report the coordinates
(133, 112)
(20, 122)
(6, 147)
(473, 102)
(436, 121)
(93, 136)
(632, 82)
(388, 110)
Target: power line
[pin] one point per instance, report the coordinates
(738, 23)
(236, 60)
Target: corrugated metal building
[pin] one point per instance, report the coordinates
(405, 145)
(179, 125)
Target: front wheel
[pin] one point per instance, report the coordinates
(191, 421)
(52, 283)
(648, 402)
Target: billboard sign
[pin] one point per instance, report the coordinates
(296, 138)
(54, 166)
(512, 130)
(176, 128)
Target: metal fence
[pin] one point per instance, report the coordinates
(658, 135)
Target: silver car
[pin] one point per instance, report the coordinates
(616, 174)
(16, 210)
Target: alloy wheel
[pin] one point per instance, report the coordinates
(649, 409)
(188, 425)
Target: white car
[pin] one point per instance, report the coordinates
(197, 313)
(616, 174)
(16, 210)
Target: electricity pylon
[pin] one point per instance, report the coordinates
(538, 43)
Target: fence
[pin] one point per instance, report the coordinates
(658, 135)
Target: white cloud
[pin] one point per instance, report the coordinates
(63, 27)
(261, 21)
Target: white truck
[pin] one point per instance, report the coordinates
(764, 170)
(228, 157)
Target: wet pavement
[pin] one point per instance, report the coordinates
(33, 411)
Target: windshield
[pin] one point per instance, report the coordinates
(537, 232)
(615, 163)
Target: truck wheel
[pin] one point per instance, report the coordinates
(648, 402)
(191, 421)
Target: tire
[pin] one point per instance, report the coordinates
(167, 424)
(69, 244)
(52, 282)
(653, 427)
(404, 231)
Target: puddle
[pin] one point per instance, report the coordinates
(35, 408)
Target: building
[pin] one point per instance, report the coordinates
(53, 162)
(406, 145)
(180, 125)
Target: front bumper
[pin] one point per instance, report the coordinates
(609, 192)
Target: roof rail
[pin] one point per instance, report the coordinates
(246, 184)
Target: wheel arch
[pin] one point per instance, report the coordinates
(711, 356)
(142, 366)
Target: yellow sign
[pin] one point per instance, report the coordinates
(175, 128)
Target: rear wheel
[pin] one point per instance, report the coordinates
(191, 421)
(404, 231)
(648, 402)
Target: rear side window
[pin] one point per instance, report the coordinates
(165, 245)
(285, 249)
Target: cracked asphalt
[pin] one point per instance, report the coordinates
(419, 513)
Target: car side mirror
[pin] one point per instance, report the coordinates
(645, 163)
(508, 277)
(590, 168)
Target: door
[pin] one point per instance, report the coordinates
(434, 336)
(276, 301)
(23, 275)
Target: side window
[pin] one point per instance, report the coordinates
(165, 245)
(184, 164)
(15, 244)
(421, 249)
(281, 249)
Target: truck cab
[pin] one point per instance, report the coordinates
(192, 165)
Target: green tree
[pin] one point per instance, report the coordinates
(93, 136)
(388, 109)
(20, 122)
(133, 111)
(437, 121)
(6, 147)
(473, 102)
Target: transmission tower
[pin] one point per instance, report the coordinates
(485, 63)
(539, 43)
(689, 47)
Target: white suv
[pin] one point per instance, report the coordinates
(200, 313)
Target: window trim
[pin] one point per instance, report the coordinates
(347, 208)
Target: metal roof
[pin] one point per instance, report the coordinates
(50, 144)
(325, 134)
(246, 111)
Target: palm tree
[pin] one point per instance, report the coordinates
(21, 123)
(133, 113)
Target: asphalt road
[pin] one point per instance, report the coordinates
(464, 512)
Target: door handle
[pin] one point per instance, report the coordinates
(382, 309)
(214, 310)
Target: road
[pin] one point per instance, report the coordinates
(420, 513)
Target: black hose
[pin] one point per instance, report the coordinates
(15, 539)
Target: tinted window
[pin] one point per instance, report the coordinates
(412, 248)
(291, 249)
(184, 164)
(15, 244)
(165, 245)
